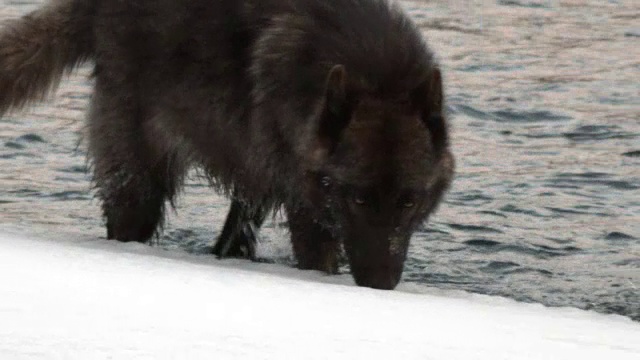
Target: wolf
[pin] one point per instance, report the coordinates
(331, 110)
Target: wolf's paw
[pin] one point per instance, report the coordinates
(242, 245)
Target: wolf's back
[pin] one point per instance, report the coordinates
(39, 48)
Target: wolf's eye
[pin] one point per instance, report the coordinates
(359, 200)
(408, 204)
(407, 201)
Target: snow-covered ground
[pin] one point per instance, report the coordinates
(79, 298)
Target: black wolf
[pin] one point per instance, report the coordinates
(329, 109)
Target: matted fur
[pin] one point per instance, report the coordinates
(296, 103)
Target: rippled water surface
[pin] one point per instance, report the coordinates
(545, 104)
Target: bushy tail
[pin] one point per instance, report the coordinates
(39, 48)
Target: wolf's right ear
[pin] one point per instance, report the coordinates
(336, 114)
(428, 97)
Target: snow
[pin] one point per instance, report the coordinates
(81, 298)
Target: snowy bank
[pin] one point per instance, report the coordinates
(95, 299)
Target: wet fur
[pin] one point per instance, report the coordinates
(239, 89)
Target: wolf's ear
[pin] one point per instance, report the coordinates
(428, 98)
(336, 114)
(428, 95)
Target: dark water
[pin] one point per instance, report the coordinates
(545, 98)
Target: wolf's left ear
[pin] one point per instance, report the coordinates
(335, 115)
(428, 98)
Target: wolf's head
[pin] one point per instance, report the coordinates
(381, 166)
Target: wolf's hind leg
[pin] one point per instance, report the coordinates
(133, 180)
(238, 236)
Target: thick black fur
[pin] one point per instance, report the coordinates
(267, 97)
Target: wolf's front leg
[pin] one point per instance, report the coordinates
(314, 247)
(238, 236)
